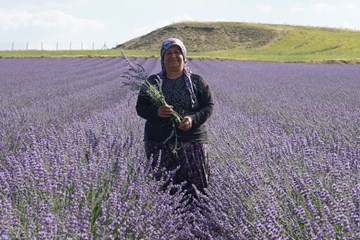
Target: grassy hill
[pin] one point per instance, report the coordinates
(204, 37)
(236, 40)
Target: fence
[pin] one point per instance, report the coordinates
(58, 46)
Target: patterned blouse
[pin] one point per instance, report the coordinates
(176, 94)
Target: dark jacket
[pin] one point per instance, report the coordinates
(159, 129)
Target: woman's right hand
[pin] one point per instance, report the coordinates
(165, 111)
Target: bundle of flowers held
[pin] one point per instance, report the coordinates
(137, 79)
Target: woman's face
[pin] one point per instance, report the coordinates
(173, 59)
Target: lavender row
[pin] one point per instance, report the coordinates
(284, 151)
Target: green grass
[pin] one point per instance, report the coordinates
(301, 45)
(291, 44)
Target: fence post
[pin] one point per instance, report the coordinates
(57, 46)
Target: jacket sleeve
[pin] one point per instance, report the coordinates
(206, 103)
(145, 108)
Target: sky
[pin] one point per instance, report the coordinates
(99, 24)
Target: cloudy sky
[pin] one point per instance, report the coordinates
(88, 24)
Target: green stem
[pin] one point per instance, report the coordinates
(176, 117)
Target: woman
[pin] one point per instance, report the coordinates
(180, 149)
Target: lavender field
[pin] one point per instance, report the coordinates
(285, 153)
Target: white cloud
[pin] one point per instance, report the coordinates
(264, 8)
(352, 6)
(56, 18)
(13, 19)
(297, 8)
(322, 7)
(10, 19)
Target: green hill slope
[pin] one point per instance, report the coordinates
(305, 45)
(203, 36)
(264, 42)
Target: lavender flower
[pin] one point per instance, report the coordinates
(284, 153)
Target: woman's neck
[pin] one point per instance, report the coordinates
(174, 75)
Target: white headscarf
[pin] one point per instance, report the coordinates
(168, 43)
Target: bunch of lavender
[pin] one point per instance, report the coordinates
(137, 79)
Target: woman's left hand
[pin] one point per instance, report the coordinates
(185, 124)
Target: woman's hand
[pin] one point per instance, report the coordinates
(185, 124)
(165, 111)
